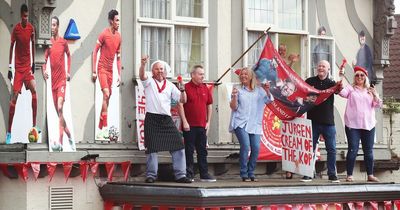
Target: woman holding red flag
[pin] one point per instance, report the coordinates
(359, 118)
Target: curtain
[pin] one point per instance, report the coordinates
(255, 52)
(183, 49)
(185, 8)
(154, 9)
(156, 44)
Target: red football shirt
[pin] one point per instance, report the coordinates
(22, 38)
(110, 45)
(198, 98)
(57, 61)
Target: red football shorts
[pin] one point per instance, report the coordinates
(22, 78)
(105, 79)
(58, 93)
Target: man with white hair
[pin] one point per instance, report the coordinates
(160, 132)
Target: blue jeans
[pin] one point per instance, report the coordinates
(196, 138)
(367, 142)
(247, 142)
(329, 134)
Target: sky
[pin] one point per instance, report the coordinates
(397, 5)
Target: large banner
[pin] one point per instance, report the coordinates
(61, 138)
(293, 96)
(297, 147)
(113, 116)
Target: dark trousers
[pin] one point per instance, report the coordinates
(196, 138)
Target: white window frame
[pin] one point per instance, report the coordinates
(333, 64)
(172, 23)
(248, 27)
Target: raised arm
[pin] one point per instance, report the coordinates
(143, 62)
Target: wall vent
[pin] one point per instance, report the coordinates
(61, 198)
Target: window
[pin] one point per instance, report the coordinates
(189, 46)
(290, 14)
(261, 11)
(178, 39)
(321, 48)
(189, 8)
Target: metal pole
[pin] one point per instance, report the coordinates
(248, 49)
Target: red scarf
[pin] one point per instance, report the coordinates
(162, 87)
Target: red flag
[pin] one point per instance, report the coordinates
(271, 144)
(146, 207)
(110, 170)
(374, 205)
(51, 169)
(288, 207)
(67, 170)
(325, 206)
(4, 168)
(22, 169)
(338, 206)
(293, 96)
(359, 205)
(35, 169)
(127, 206)
(125, 166)
(93, 167)
(388, 205)
(163, 208)
(397, 204)
(108, 205)
(83, 166)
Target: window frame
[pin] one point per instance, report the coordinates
(172, 23)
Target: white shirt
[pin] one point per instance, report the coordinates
(160, 103)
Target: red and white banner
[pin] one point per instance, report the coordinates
(293, 96)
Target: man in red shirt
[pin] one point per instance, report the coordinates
(59, 78)
(109, 42)
(23, 37)
(196, 116)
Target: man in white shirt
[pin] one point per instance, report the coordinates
(160, 132)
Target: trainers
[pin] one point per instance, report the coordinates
(207, 178)
(149, 180)
(71, 143)
(334, 179)
(306, 179)
(190, 177)
(183, 180)
(8, 138)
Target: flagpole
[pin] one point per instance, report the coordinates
(248, 49)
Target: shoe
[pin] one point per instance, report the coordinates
(306, 179)
(289, 175)
(71, 143)
(372, 178)
(183, 180)
(245, 179)
(190, 177)
(8, 138)
(103, 134)
(150, 180)
(207, 178)
(349, 179)
(253, 179)
(334, 179)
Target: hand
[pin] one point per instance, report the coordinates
(94, 77)
(340, 86)
(207, 128)
(300, 100)
(45, 73)
(144, 60)
(267, 85)
(372, 91)
(294, 58)
(33, 68)
(341, 72)
(11, 72)
(186, 126)
(68, 77)
(234, 93)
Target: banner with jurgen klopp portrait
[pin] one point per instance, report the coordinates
(293, 96)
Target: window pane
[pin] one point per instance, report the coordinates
(189, 49)
(154, 9)
(255, 52)
(261, 11)
(321, 49)
(156, 44)
(189, 8)
(290, 14)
